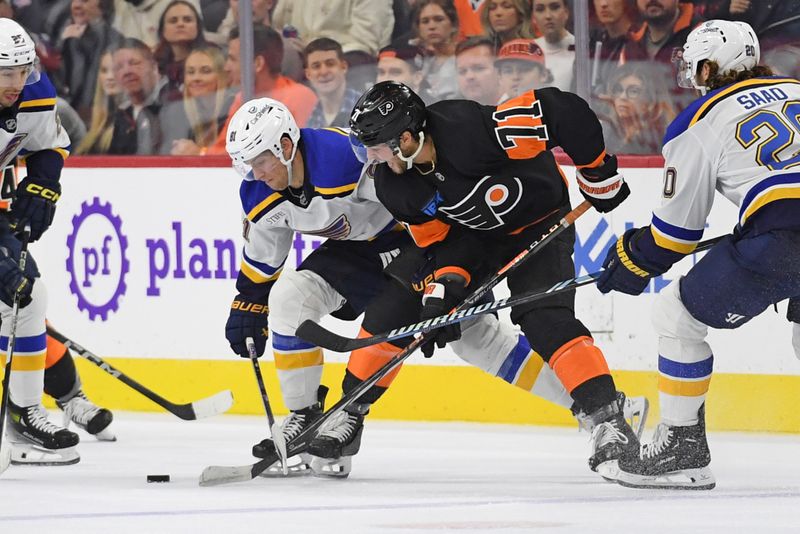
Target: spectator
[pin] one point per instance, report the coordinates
(776, 22)
(558, 44)
(640, 111)
(362, 27)
(140, 18)
(136, 126)
(70, 121)
(212, 13)
(106, 98)
(268, 54)
(469, 21)
(477, 77)
(326, 70)
(607, 41)
(403, 64)
(521, 66)
(504, 20)
(193, 124)
(436, 22)
(89, 31)
(179, 31)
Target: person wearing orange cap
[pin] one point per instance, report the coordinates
(521, 67)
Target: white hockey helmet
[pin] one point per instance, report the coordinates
(732, 45)
(257, 126)
(17, 49)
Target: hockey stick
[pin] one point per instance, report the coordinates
(275, 431)
(322, 337)
(215, 475)
(207, 407)
(5, 454)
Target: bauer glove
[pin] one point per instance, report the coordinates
(13, 281)
(439, 299)
(247, 319)
(35, 204)
(604, 187)
(625, 270)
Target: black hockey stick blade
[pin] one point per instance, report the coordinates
(209, 406)
(315, 333)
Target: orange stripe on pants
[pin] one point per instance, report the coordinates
(55, 351)
(364, 362)
(578, 361)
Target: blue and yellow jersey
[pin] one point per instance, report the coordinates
(343, 206)
(743, 141)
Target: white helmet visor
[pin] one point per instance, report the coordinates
(684, 69)
(10, 76)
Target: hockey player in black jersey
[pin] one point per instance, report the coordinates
(478, 184)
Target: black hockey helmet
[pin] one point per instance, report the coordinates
(384, 112)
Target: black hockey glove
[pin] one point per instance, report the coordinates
(247, 319)
(13, 281)
(439, 299)
(625, 271)
(35, 204)
(793, 314)
(603, 186)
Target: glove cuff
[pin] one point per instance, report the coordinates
(434, 290)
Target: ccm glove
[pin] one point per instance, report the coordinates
(439, 299)
(13, 281)
(35, 204)
(603, 186)
(625, 270)
(247, 319)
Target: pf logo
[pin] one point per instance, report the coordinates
(385, 108)
(483, 208)
(96, 263)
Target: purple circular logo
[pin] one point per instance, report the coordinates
(96, 262)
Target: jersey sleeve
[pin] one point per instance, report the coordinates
(47, 144)
(687, 197)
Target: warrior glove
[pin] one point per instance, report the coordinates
(13, 281)
(604, 187)
(35, 204)
(247, 319)
(625, 270)
(439, 299)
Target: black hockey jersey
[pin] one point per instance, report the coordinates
(494, 173)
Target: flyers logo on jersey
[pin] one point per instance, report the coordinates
(483, 208)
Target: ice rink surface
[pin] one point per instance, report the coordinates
(408, 478)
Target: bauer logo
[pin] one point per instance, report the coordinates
(96, 259)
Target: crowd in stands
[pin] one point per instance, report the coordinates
(163, 76)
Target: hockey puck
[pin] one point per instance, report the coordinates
(158, 478)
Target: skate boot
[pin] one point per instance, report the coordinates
(677, 458)
(338, 441)
(291, 426)
(612, 439)
(87, 416)
(37, 441)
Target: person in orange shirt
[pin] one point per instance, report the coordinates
(269, 82)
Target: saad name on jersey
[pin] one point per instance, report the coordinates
(759, 97)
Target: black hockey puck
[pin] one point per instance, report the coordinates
(158, 478)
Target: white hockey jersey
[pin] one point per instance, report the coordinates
(31, 129)
(742, 140)
(343, 206)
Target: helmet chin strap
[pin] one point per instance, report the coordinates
(288, 162)
(409, 161)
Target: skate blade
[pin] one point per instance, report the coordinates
(276, 470)
(331, 467)
(33, 455)
(686, 479)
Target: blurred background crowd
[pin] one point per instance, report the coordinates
(163, 76)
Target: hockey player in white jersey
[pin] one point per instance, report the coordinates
(741, 138)
(309, 181)
(29, 128)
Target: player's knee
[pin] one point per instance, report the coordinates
(285, 301)
(34, 313)
(671, 319)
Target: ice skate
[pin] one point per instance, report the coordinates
(677, 458)
(634, 410)
(338, 441)
(612, 438)
(292, 425)
(87, 416)
(37, 441)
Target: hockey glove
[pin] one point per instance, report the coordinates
(603, 186)
(13, 281)
(247, 319)
(625, 271)
(439, 299)
(35, 204)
